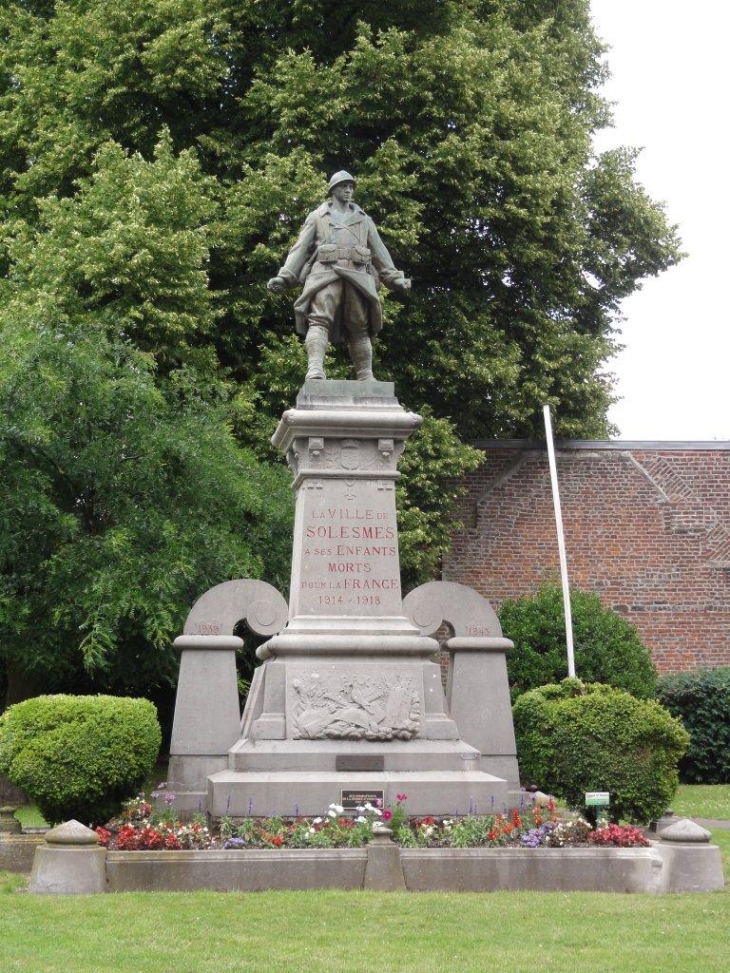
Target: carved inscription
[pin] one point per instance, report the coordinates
(339, 706)
(350, 555)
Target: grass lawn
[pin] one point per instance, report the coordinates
(296, 932)
(340, 932)
(702, 801)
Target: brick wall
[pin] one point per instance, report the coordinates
(647, 527)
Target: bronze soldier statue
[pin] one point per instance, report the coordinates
(341, 261)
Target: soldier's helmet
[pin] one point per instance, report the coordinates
(341, 176)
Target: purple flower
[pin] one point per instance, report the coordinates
(235, 843)
(169, 799)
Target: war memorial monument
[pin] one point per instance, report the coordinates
(348, 704)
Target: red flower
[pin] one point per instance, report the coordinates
(278, 841)
(128, 839)
(104, 836)
(387, 815)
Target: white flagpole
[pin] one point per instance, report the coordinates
(561, 540)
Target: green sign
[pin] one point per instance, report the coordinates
(597, 798)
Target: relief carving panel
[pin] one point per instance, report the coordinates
(345, 706)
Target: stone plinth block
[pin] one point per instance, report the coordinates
(207, 713)
(384, 872)
(343, 448)
(70, 862)
(207, 719)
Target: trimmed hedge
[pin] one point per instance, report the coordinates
(701, 699)
(607, 647)
(573, 738)
(79, 756)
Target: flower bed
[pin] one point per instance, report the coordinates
(143, 828)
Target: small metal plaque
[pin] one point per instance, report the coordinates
(352, 799)
(356, 762)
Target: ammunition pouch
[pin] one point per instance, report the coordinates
(328, 253)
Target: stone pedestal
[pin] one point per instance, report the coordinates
(349, 696)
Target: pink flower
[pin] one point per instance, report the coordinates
(387, 815)
(401, 797)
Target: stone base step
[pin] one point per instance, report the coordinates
(294, 793)
(338, 755)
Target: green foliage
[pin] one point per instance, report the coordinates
(701, 700)
(433, 462)
(79, 756)
(468, 125)
(575, 737)
(125, 493)
(607, 648)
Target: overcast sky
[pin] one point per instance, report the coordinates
(670, 62)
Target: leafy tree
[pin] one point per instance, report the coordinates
(157, 160)
(125, 493)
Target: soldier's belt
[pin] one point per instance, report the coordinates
(328, 253)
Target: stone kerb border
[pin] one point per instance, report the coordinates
(679, 864)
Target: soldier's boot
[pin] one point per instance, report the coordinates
(316, 345)
(361, 353)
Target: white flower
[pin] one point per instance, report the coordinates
(332, 813)
(317, 820)
(336, 808)
(360, 820)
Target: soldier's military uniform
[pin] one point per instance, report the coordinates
(341, 260)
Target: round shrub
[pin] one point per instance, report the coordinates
(573, 738)
(79, 756)
(701, 699)
(607, 648)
